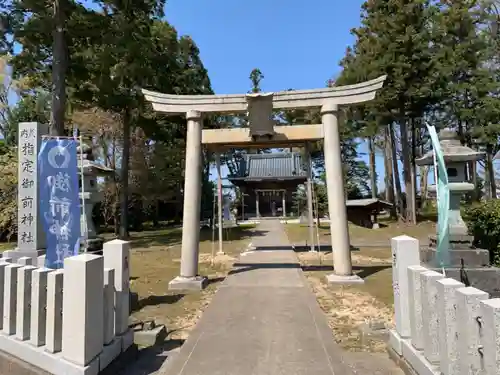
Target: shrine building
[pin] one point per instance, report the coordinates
(268, 181)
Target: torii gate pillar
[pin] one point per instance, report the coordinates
(339, 232)
(189, 278)
(328, 99)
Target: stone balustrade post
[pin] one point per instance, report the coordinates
(490, 313)
(40, 261)
(448, 344)
(3, 264)
(25, 261)
(53, 333)
(23, 310)
(430, 315)
(10, 299)
(83, 308)
(117, 256)
(405, 253)
(109, 305)
(469, 329)
(38, 324)
(415, 293)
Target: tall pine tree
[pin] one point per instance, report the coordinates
(395, 38)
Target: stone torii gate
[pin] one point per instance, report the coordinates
(262, 133)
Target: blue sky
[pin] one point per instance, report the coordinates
(296, 44)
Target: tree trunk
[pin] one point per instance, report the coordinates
(388, 182)
(487, 183)
(59, 64)
(124, 177)
(424, 184)
(156, 215)
(389, 177)
(405, 156)
(491, 172)
(473, 171)
(414, 169)
(116, 198)
(178, 204)
(373, 169)
(424, 180)
(395, 168)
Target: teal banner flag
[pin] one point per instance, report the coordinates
(443, 200)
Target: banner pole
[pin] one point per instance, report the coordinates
(434, 157)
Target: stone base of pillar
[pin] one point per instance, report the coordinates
(411, 360)
(395, 342)
(220, 253)
(188, 283)
(334, 279)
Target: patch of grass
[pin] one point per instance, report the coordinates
(420, 231)
(171, 236)
(153, 265)
(383, 254)
(379, 285)
(299, 233)
(7, 246)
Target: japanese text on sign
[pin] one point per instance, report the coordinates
(27, 190)
(59, 199)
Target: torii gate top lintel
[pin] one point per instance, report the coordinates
(263, 132)
(233, 103)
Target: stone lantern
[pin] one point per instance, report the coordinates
(456, 158)
(91, 195)
(464, 258)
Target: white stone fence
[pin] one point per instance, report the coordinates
(68, 321)
(442, 327)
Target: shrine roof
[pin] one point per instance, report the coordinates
(271, 166)
(367, 202)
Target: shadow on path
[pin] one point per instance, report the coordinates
(365, 271)
(157, 300)
(172, 237)
(361, 271)
(246, 267)
(300, 248)
(150, 359)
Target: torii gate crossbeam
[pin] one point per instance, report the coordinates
(327, 99)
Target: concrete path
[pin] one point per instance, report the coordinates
(264, 320)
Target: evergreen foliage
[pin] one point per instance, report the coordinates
(441, 58)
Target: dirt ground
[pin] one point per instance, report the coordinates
(155, 260)
(348, 307)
